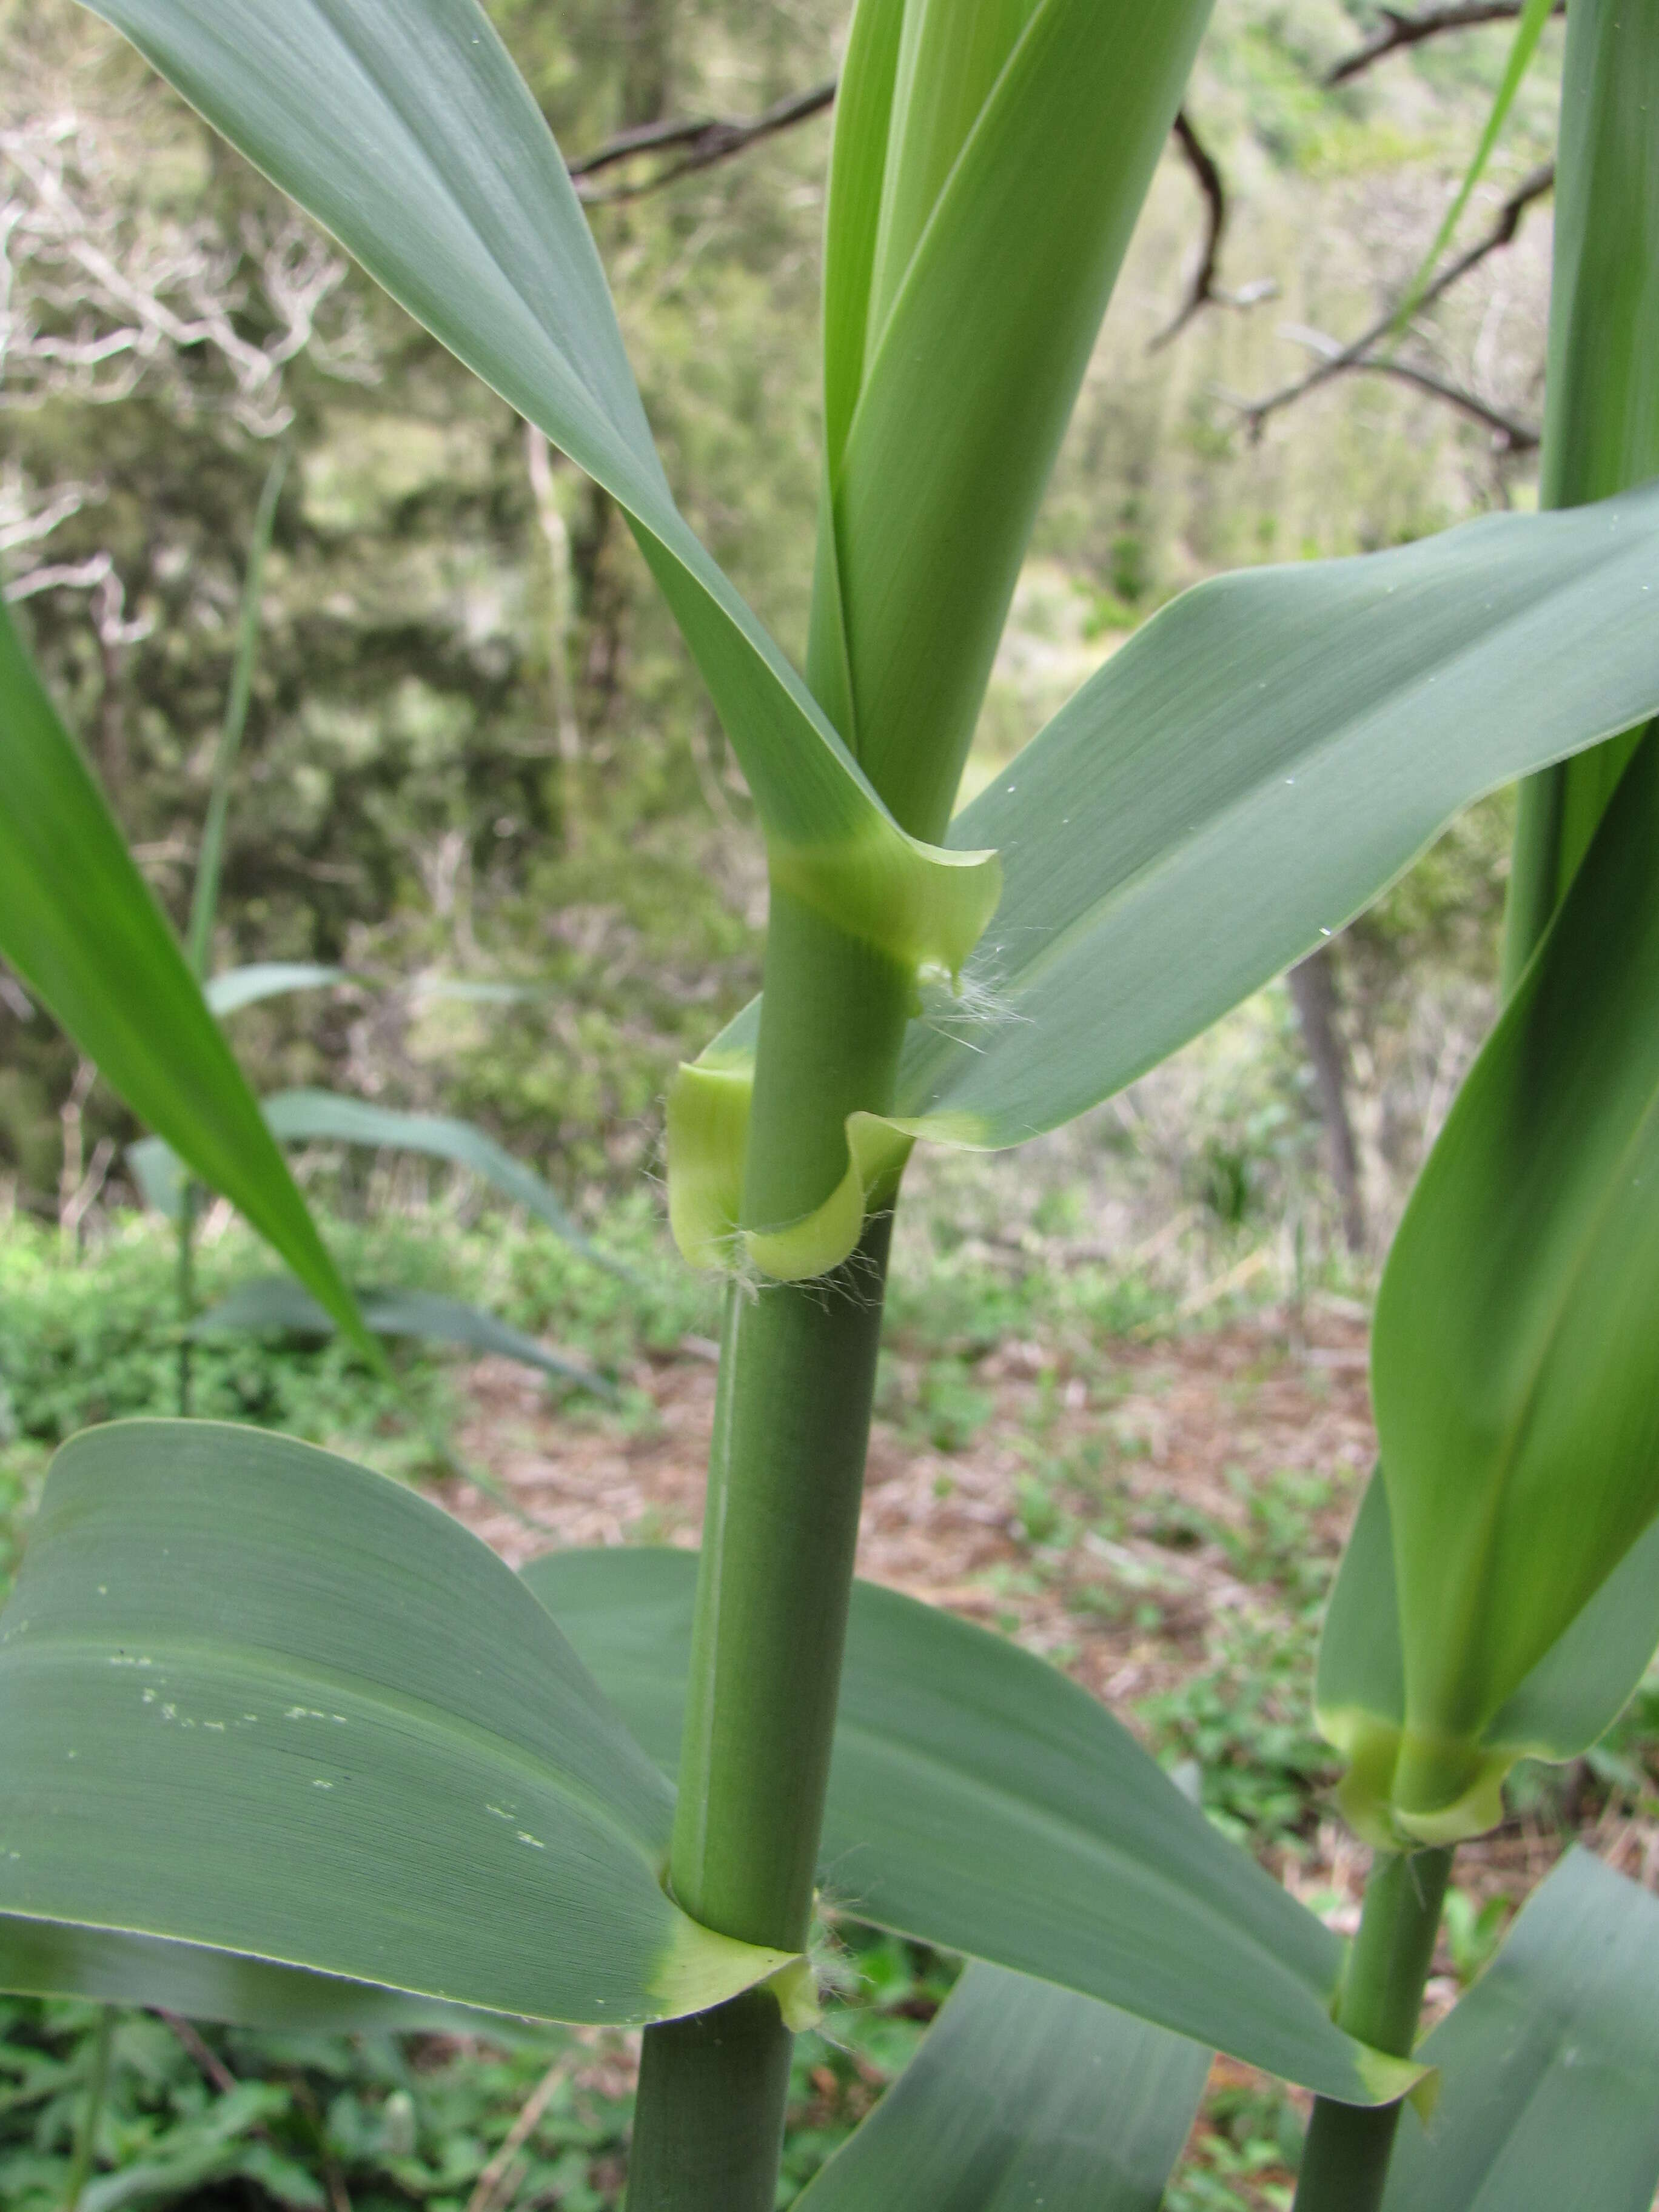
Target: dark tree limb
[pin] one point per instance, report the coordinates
(1204, 291)
(1397, 31)
(1361, 353)
(698, 143)
(1514, 435)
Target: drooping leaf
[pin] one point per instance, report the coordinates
(1239, 781)
(1547, 2066)
(255, 1697)
(228, 993)
(403, 126)
(1512, 1353)
(80, 924)
(328, 1116)
(1021, 135)
(980, 1801)
(1023, 2095)
(309, 1116)
(278, 1303)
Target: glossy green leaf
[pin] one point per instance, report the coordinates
(278, 1303)
(1512, 1353)
(980, 1801)
(80, 924)
(1023, 2095)
(1020, 137)
(1567, 1702)
(1242, 776)
(256, 1698)
(1548, 2064)
(403, 126)
(228, 993)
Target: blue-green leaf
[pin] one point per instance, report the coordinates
(255, 1700)
(980, 1801)
(1547, 2066)
(1023, 2095)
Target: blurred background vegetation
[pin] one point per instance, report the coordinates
(477, 750)
(475, 747)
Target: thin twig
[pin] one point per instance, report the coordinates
(1517, 437)
(1396, 31)
(1204, 291)
(1338, 360)
(486, 2192)
(702, 142)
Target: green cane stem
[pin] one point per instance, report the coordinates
(1344, 2162)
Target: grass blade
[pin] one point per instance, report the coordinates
(80, 924)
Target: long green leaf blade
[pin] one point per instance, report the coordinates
(980, 1801)
(1511, 1357)
(389, 1764)
(79, 923)
(1548, 2064)
(403, 126)
(311, 1116)
(1023, 2095)
(278, 1302)
(1022, 137)
(1246, 775)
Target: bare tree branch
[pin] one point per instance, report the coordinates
(1204, 291)
(701, 141)
(1515, 436)
(1338, 360)
(94, 299)
(1397, 31)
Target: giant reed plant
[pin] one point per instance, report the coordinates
(407, 1792)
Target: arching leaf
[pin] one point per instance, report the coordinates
(980, 1801)
(255, 1700)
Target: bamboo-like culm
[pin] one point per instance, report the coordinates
(797, 1378)
(1344, 2162)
